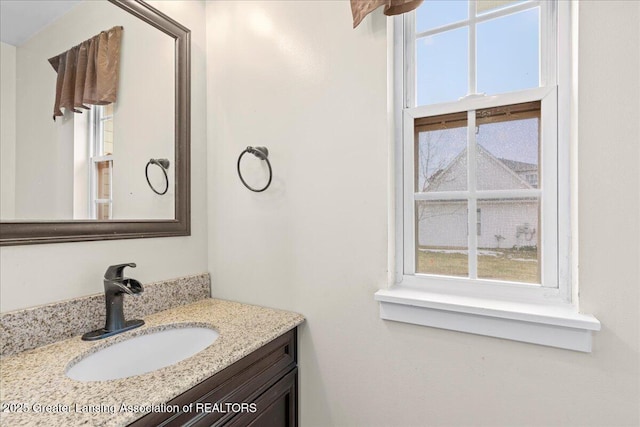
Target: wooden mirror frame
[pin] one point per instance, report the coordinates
(27, 233)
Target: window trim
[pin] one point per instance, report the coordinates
(554, 325)
(529, 313)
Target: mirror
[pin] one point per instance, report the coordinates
(113, 171)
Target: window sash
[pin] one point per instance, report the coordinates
(546, 192)
(548, 50)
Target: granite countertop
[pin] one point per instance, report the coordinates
(31, 380)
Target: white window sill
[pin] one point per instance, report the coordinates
(555, 325)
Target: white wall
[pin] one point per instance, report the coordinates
(7, 130)
(143, 118)
(144, 124)
(294, 76)
(31, 275)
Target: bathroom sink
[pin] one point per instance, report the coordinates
(142, 354)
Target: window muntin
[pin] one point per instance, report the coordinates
(526, 117)
(487, 6)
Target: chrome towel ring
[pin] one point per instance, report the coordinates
(164, 165)
(263, 154)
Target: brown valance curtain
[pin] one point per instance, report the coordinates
(88, 73)
(361, 8)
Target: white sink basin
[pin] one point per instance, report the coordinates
(142, 354)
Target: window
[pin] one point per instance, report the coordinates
(480, 111)
(101, 161)
(483, 109)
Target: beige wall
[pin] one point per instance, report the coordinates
(294, 76)
(31, 275)
(7, 130)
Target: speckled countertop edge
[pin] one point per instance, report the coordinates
(36, 378)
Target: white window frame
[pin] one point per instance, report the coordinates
(544, 314)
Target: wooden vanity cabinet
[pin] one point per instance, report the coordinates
(265, 381)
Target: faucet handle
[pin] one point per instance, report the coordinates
(114, 272)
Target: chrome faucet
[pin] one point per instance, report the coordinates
(115, 286)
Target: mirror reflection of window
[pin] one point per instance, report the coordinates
(101, 160)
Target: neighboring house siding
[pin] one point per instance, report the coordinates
(444, 224)
(515, 221)
(503, 223)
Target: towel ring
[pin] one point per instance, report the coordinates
(263, 154)
(164, 165)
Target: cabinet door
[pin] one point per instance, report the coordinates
(247, 380)
(276, 407)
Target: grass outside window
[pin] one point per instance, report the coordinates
(517, 265)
